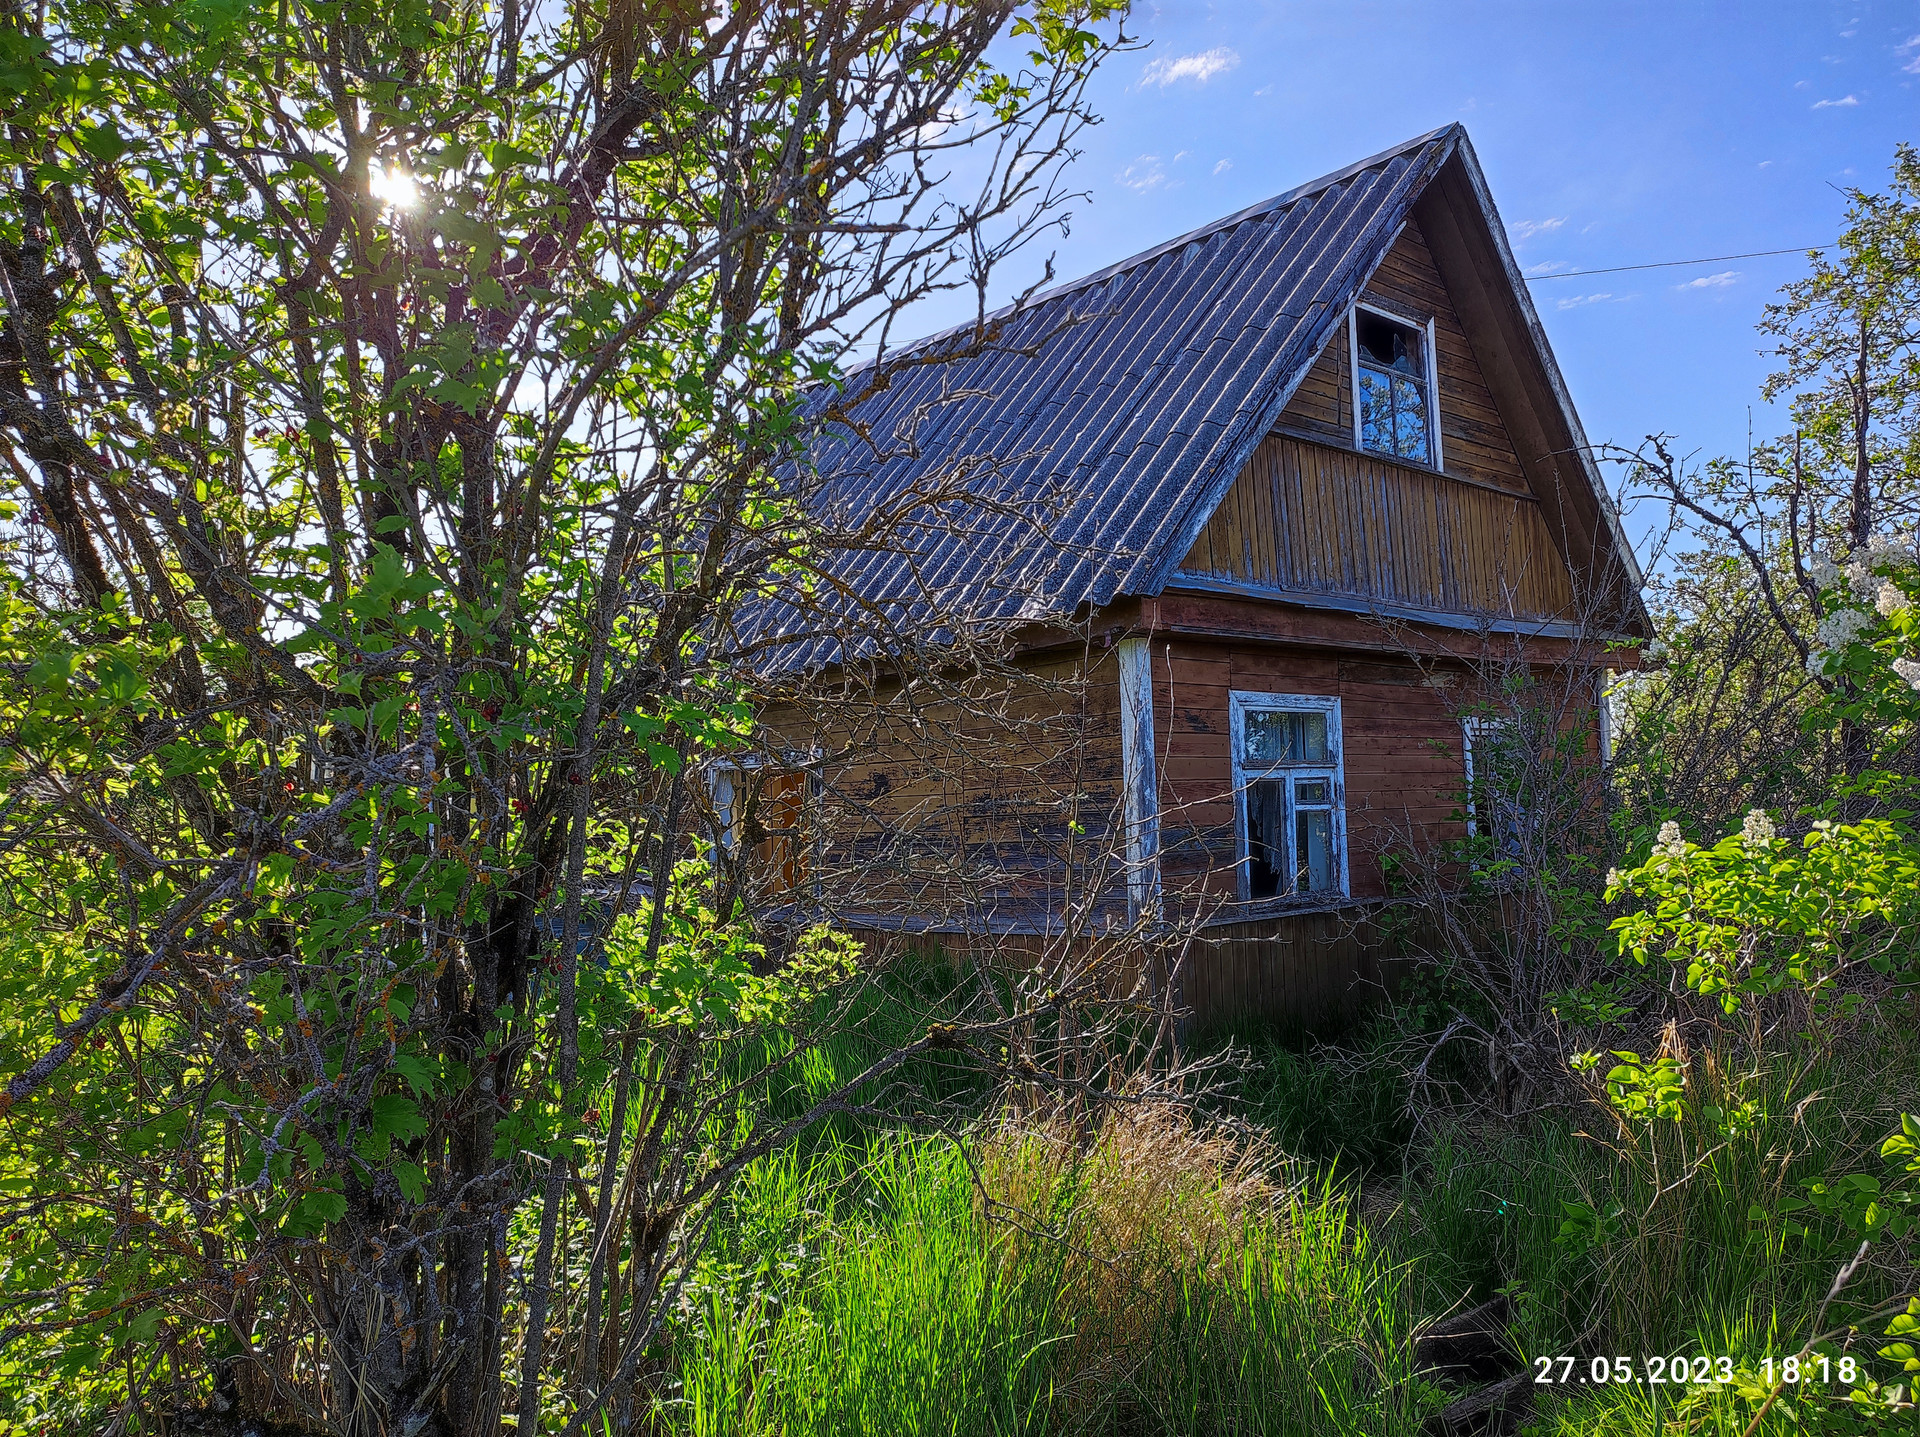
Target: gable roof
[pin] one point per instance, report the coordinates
(1075, 457)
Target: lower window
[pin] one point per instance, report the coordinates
(1287, 782)
(1496, 783)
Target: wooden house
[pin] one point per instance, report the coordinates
(1238, 499)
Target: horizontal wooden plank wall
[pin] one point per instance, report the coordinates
(1474, 442)
(1401, 739)
(1311, 518)
(997, 812)
(1304, 970)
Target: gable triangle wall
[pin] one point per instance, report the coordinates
(1309, 515)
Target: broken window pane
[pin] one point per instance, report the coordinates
(1497, 803)
(1287, 761)
(1393, 388)
(1266, 838)
(1387, 345)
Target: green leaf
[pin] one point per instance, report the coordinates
(104, 142)
(412, 1179)
(320, 1207)
(395, 1115)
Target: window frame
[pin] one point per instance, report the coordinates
(728, 777)
(1240, 703)
(727, 780)
(1472, 727)
(1431, 381)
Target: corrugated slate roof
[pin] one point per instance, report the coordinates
(1075, 458)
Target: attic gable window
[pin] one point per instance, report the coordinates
(1394, 409)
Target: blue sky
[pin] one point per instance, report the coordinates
(1612, 134)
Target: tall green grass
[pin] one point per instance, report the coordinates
(919, 1314)
(904, 1323)
(1337, 1102)
(858, 1284)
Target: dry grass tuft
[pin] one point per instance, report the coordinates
(1126, 1221)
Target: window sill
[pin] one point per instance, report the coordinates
(1258, 910)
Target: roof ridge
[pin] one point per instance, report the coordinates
(1280, 201)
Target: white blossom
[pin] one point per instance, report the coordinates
(1908, 669)
(1615, 878)
(1824, 571)
(1885, 551)
(1670, 843)
(1862, 580)
(1841, 628)
(1817, 663)
(1890, 600)
(1757, 831)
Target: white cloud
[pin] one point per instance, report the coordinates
(1801, 84)
(1144, 174)
(1200, 68)
(1181, 156)
(1712, 281)
(1766, 164)
(1263, 90)
(1223, 167)
(1552, 266)
(1912, 67)
(1604, 297)
(1844, 102)
(1527, 229)
(935, 128)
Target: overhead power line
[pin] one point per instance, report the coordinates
(1674, 263)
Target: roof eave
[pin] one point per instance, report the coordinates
(1549, 366)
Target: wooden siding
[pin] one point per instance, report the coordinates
(1404, 760)
(1302, 970)
(1474, 443)
(996, 811)
(1311, 518)
(1404, 764)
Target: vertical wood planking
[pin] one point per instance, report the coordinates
(1313, 518)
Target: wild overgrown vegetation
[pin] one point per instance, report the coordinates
(399, 413)
(1660, 1115)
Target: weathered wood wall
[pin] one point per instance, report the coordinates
(994, 807)
(1401, 742)
(1306, 969)
(1474, 443)
(1310, 515)
(1311, 518)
